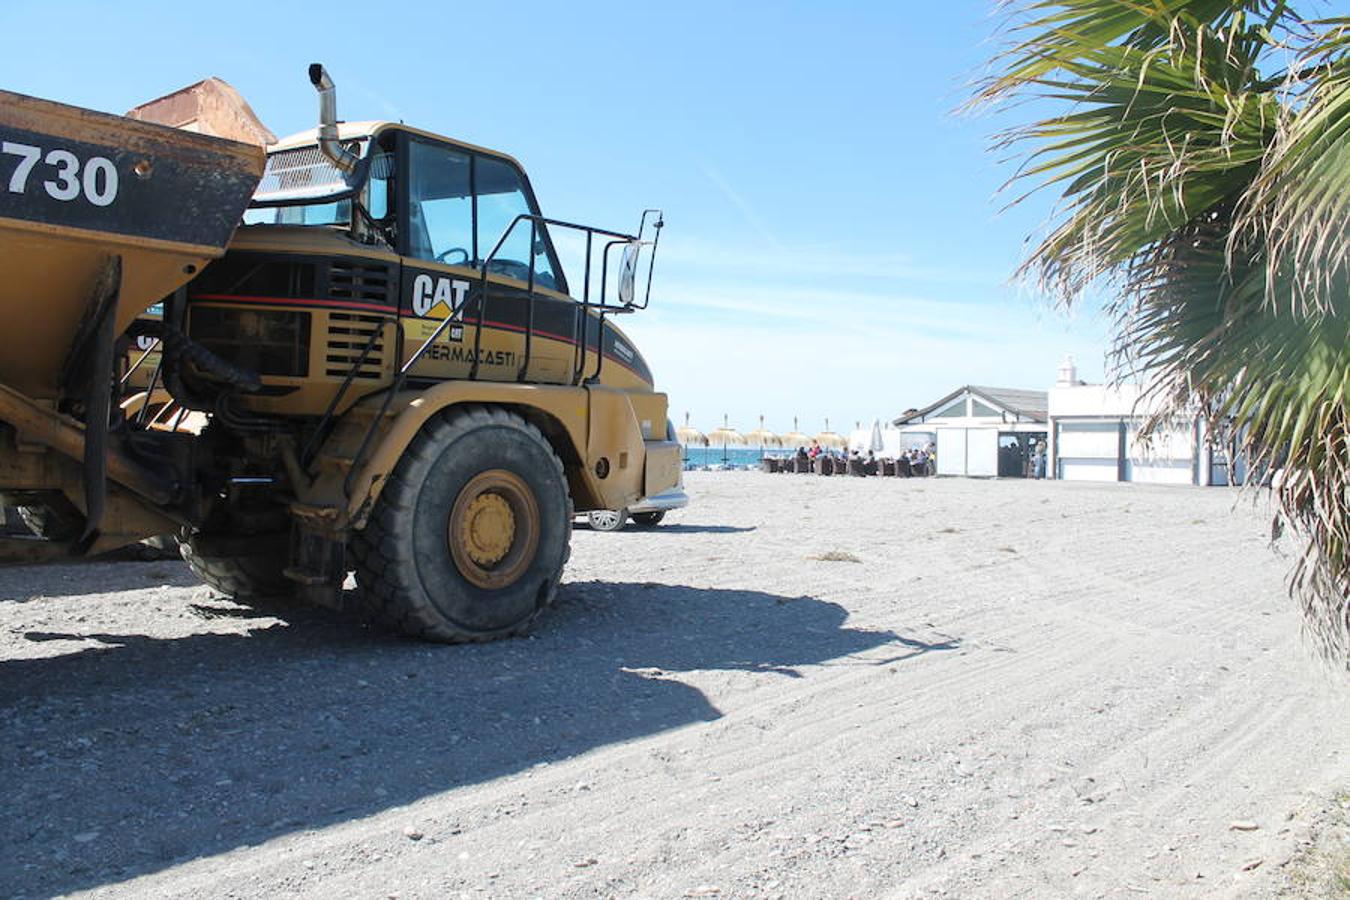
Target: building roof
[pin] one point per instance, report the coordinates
(1032, 404)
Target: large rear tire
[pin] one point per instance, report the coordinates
(248, 579)
(468, 539)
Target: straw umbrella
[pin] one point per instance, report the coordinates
(795, 438)
(689, 436)
(725, 435)
(762, 437)
(828, 438)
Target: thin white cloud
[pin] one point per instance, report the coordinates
(817, 261)
(743, 206)
(785, 308)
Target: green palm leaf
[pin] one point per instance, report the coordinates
(1212, 198)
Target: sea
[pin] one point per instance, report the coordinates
(731, 457)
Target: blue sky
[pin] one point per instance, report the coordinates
(834, 246)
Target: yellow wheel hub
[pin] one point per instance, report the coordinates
(491, 528)
(494, 529)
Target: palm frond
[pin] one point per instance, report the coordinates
(1301, 198)
(1213, 199)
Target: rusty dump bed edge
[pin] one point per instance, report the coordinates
(80, 189)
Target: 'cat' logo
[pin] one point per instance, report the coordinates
(438, 298)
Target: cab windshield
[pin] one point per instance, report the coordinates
(463, 209)
(460, 205)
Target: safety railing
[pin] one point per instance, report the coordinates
(632, 245)
(650, 218)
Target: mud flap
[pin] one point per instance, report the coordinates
(99, 359)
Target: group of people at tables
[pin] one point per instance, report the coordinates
(825, 461)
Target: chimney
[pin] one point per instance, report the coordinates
(1068, 373)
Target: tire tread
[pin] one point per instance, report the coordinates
(384, 563)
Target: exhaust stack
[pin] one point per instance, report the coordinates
(329, 146)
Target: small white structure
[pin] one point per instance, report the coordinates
(1095, 436)
(981, 431)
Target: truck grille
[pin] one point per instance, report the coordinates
(267, 342)
(357, 283)
(347, 337)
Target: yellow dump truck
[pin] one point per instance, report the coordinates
(386, 369)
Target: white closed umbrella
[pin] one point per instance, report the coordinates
(876, 443)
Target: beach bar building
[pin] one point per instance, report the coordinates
(1096, 436)
(981, 431)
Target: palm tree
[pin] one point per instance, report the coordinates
(1203, 167)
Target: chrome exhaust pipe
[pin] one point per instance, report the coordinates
(338, 155)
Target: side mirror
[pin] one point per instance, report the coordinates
(628, 272)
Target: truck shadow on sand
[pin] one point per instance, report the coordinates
(145, 752)
(677, 528)
(19, 584)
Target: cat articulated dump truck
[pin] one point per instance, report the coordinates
(369, 325)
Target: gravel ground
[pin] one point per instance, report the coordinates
(797, 687)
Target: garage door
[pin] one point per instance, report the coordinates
(1168, 457)
(1088, 451)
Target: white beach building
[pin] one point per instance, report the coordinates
(1095, 436)
(980, 431)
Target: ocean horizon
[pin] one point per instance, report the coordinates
(738, 457)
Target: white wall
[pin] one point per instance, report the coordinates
(1121, 401)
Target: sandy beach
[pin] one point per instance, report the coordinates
(797, 687)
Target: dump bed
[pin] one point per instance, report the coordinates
(85, 196)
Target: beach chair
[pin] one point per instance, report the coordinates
(826, 465)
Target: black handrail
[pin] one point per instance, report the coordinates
(619, 239)
(583, 320)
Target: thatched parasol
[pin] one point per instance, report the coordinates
(761, 437)
(724, 437)
(689, 435)
(828, 438)
(795, 438)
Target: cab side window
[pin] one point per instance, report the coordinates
(501, 197)
(378, 187)
(440, 204)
